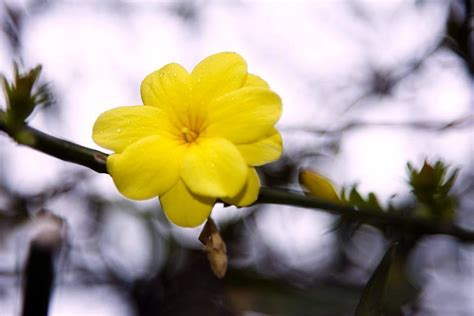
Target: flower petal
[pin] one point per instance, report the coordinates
(318, 186)
(217, 75)
(167, 88)
(184, 208)
(147, 168)
(214, 167)
(262, 151)
(120, 127)
(249, 194)
(245, 115)
(256, 81)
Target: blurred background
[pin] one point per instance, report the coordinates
(367, 86)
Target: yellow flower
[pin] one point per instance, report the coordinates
(196, 139)
(318, 186)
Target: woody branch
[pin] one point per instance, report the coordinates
(96, 160)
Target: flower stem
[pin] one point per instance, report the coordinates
(95, 160)
(56, 147)
(376, 218)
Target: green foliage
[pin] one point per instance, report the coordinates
(23, 94)
(390, 287)
(354, 198)
(431, 186)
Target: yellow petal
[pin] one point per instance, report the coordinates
(167, 88)
(214, 167)
(217, 75)
(249, 194)
(262, 151)
(184, 208)
(147, 168)
(245, 115)
(256, 81)
(318, 186)
(120, 127)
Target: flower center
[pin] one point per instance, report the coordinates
(189, 135)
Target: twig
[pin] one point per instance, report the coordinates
(434, 126)
(373, 217)
(95, 160)
(57, 147)
(40, 265)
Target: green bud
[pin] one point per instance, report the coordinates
(23, 95)
(431, 186)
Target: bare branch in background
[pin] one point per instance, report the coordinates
(460, 31)
(40, 265)
(466, 121)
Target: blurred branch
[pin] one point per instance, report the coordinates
(460, 31)
(435, 126)
(373, 217)
(95, 160)
(40, 265)
(469, 33)
(39, 274)
(266, 295)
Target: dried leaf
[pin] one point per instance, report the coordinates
(215, 248)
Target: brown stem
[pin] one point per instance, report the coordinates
(95, 160)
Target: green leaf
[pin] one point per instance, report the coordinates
(373, 202)
(447, 186)
(371, 302)
(389, 288)
(355, 199)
